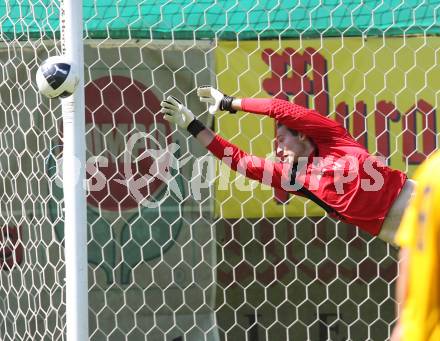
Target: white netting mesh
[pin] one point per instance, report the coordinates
(216, 264)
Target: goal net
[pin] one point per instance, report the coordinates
(179, 247)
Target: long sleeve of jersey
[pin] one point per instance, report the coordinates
(275, 174)
(314, 125)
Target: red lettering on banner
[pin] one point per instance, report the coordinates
(360, 124)
(359, 116)
(385, 112)
(342, 115)
(291, 71)
(410, 132)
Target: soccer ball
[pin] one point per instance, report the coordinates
(57, 77)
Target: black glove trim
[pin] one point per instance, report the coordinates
(175, 100)
(195, 127)
(226, 104)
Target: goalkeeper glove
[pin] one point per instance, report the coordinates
(215, 99)
(175, 112)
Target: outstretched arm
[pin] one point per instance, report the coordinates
(205, 137)
(304, 120)
(266, 171)
(296, 117)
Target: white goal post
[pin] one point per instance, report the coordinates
(169, 245)
(74, 177)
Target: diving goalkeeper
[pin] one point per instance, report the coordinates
(319, 161)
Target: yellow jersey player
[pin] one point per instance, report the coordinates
(418, 285)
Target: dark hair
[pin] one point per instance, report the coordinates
(292, 131)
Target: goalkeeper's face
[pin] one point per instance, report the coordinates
(292, 146)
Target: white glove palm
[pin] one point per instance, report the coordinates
(175, 112)
(211, 96)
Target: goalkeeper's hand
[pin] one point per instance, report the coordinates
(175, 112)
(215, 99)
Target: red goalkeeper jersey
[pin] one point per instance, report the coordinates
(341, 177)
